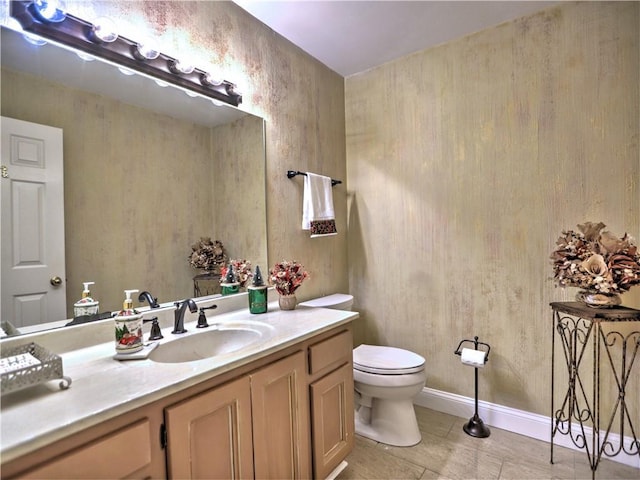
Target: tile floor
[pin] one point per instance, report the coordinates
(446, 451)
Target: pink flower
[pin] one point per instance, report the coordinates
(287, 276)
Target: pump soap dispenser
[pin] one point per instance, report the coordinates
(257, 293)
(86, 305)
(128, 326)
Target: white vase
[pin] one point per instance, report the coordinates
(287, 302)
(598, 300)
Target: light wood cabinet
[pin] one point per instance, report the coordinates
(256, 426)
(286, 415)
(331, 392)
(125, 447)
(119, 454)
(209, 436)
(332, 420)
(280, 406)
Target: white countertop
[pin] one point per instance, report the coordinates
(103, 388)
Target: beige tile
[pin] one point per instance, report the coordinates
(525, 469)
(368, 461)
(511, 446)
(449, 459)
(607, 469)
(430, 475)
(436, 423)
(447, 452)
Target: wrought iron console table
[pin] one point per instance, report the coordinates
(579, 326)
(206, 284)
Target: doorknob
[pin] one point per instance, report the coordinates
(56, 281)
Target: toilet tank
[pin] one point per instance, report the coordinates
(337, 301)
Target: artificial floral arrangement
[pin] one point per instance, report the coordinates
(287, 276)
(242, 270)
(596, 260)
(208, 255)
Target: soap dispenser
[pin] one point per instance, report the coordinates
(86, 305)
(230, 283)
(128, 326)
(257, 293)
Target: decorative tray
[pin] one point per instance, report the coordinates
(29, 365)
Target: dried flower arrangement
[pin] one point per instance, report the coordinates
(287, 276)
(596, 260)
(208, 255)
(242, 270)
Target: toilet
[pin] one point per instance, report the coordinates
(386, 379)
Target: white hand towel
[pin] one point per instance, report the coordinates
(317, 206)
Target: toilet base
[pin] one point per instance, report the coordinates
(393, 422)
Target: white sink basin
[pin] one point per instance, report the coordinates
(213, 341)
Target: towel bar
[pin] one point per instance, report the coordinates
(293, 173)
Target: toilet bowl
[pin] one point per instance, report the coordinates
(386, 379)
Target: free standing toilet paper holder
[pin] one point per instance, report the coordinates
(475, 426)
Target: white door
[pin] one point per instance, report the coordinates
(33, 284)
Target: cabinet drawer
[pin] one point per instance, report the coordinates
(330, 353)
(117, 455)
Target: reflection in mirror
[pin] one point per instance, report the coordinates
(147, 172)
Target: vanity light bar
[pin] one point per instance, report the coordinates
(77, 33)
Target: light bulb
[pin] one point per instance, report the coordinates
(104, 30)
(50, 11)
(209, 80)
(126, 71)
(86, 57)
(34, 39)
(181, 66)
(146, 51)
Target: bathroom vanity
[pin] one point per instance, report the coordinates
(281, 407)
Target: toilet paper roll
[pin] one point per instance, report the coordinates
(473, 358)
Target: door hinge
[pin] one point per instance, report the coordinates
(163, 436)
(4, 171)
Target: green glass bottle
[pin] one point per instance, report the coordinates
(257, 293)
(230, 285)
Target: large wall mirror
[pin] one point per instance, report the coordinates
(148, 171)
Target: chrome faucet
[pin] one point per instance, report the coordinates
(178, 326)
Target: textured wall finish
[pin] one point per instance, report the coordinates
(301, 100)
(141, 188)
(465, 162)
(239, 189)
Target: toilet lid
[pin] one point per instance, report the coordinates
(386, 360)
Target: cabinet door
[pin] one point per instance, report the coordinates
(121, 454)
(332, 420)
(209, 436)
(281, 420)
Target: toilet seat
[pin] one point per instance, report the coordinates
(386, 360)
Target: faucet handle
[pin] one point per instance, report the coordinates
(202, 319)
(155, 333)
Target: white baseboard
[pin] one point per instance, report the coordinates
(510, 419)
